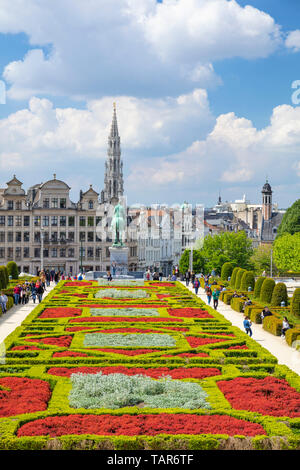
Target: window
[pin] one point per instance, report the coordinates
(107, 252)
(54, 252)
(10, 205)
(2, 219)
(37, 237)
(133, 251)
(2, 237)
(46, 237)
(82, 236)
(36, 220)
(54, 203)
(90, 221)
(63, 203)
(46, 253)
(26, 252)
(46, 221)
(63, 221)
(91, 205)
(10, 236)
(98, 238)
(98, 252)
(19, 205)
(2, 252)
(10, 220)
(82, 252)
(37, 252)
(90, 236)
(18, 236)
(10, 253)
(71, 236)
(26, 236)
(62, 253)
(82, 221)
(46, 203)
(54, 236)
(90, 252)
(71, 221)
(71, 252)
(18, 220)
(62, 236)
(54, 220)
(26, 221)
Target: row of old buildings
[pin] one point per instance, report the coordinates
(44, 228)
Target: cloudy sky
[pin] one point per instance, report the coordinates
(207, 93)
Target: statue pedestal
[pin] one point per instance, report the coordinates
(118, 260)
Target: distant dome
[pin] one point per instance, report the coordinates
(266, 188)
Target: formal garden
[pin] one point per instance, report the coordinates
(140, 365)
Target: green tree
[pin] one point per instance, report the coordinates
(257, 287)
(247, 281)
(261, 259)
(267, 290)
(2, 278)
(226, 271)
(198, 261)
(238, 279)
(12, 269)
(233, 277)
(287, 252)
(226, 247)
(291, 220)
(295, 303)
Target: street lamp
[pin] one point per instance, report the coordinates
(42, 248)
(271, 268)
(81, 269)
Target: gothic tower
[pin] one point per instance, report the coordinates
(267, 201)
(113, 180)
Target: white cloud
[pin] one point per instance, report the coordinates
(128, 46)
(293, 40)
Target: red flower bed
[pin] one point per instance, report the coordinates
(268, 396)
(238, 347)
(23, 395)
(164, 284)
(25, 348)
(195, 341)
(189, 313)
(217, 333)
(163, 296)
(62, 341)
(186, 355)
(69, 354)
(179, 373)
(125, 306)
(126, 319)
(77, 283)
(126, 352)
(132, 425)
(60, 312)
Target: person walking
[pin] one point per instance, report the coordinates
(33, 292)
(40, 291)
(208, 294)
(56, 277)
(16, 291)
(247, 325)
(3, 302)
(187, 278)
(215, 295)
(196, 285)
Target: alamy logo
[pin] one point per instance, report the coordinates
(2, 92)
(296, 94)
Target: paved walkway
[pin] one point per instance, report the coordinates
(275, 344)
(14, 317)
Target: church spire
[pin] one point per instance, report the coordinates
(113, 181)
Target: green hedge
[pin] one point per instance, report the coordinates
(295, 303)
(233, 277)
(226, 271)
(272, 324)
(238, 279)
(267, 290)
(12, 269)
(279, 295)
(248, 280)
(257, 288)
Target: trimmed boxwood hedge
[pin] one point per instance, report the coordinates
(295, 303)
(238, 279)
(226, 271)
(12, 269)
(248, 280)
(279, 295)
(257, 287)
(267, 290)
(233, 277)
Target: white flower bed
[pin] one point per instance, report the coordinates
(124, 312)
(112, 340)
(121, 294)
(118, 390)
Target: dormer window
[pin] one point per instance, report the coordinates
(91, 205)
(10, 205)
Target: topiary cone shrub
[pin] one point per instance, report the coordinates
(233, 277)
(279, 295)
(12, 269)
(295, 303)
(238, 280)
(248, 280)
(267, 290)
(257, 288)
(226, 271)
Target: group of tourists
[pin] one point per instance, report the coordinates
(266, 313)
(23, 292)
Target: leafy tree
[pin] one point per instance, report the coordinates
(279, 295)
(261, 259)
(198, 261)
(291, 220)
(12, 269)
(226, 247)
(287, 252)
(226, 271)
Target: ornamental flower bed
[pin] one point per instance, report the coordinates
(120, 373)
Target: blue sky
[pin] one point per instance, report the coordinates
(203, 92)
